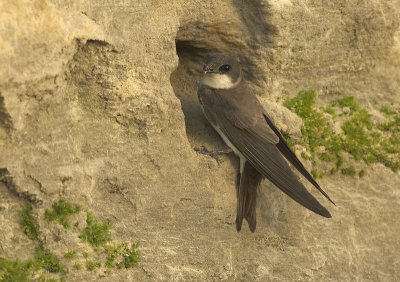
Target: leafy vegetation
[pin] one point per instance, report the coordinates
(28, 223)
(92, 264)
(25, 270)
(131, 255)
(96, 233)
(17, 270)
(112, 253)
(47, 260)
(77, 266)
(44, 262)
(348, 170)
(122, 255)
(70, 255)
(60, 212)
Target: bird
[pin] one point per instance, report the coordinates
(247, 129)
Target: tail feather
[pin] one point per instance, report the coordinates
(249, 181)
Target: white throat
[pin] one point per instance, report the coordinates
(219, 81)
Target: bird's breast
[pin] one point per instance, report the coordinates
(230, 145)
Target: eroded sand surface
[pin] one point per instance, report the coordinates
(91, 94)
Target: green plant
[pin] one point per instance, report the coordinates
(28, 223)
(112, 252)
(122, 255)
(77, 266)
(131, 255)
(70, 255)
(96, 233)
(349, 102)
(348, 170)
(25, 270)
(47, 260)
(360, 138)
(17, 270)
(91, 265)
(316, 131)
(60, 212)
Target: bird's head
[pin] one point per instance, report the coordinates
(221, 72)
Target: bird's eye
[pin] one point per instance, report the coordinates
(225, 68)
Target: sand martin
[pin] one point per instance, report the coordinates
(239, 118)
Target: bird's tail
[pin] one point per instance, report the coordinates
(248, 183)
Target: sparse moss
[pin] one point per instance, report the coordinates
(60, 212)
(317, 174)
(392, 124)
(47, 260)
(315, 126)
(359, 138)
(330, 110)
(70, 255)
(131, 255)
(111, 254)
(28, 223)
(348, 170)
(92, 265)
(316, 131)
(289, 141)
(24, 270)
(387, 111)
(77, 266)
(302, 104)
(96, 233)
(123, 255)
(17, 270)
(349, 102)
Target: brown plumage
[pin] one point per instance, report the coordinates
(244, 125)
(249, 181)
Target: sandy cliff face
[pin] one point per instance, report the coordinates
(98, 106)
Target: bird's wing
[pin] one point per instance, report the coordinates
(253, 124)
(267, 159)
(288, 153)
(257, 141)
(213, 103)
(244, 124)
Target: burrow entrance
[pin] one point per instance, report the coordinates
(244, 37)
(184, 81)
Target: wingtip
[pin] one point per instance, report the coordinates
(329, 199)
(325, 213)
(316, 185)
(238, 225)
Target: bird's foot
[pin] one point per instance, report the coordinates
(213, 154)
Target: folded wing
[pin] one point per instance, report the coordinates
(263, 154)
(288, 153)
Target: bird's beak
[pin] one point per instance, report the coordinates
(208, 69)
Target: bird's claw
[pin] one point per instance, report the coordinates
(213, 154)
